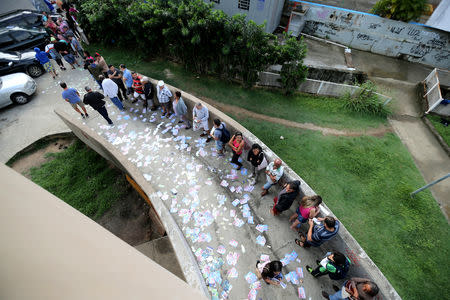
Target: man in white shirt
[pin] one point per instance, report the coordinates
(200, 115)
(274, 171)
(111, 89)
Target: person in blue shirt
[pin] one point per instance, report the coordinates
(73, 97)
(318, 234)
(127, 78)
(43, 59)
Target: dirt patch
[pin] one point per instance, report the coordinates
(380, 131)
(128, 219)
(37, 157)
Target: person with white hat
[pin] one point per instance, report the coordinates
(164, 95)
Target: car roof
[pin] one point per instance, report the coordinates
(18, 12)
(17, 28)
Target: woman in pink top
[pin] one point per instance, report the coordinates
(237, 144)
(308, 209)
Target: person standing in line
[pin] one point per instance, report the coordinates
(116, 76)
(354, 289)
(137, 88)
(111, 89)
(256, 157)
(164, 95)
(335, 264)
(149, 93)
(269, 271)
(100, 61)
(236, 144)
(63, 49)
(308, 209)
(76, 46)
(50, 49)
(200, 116)
(274, 171)
(95, 100)
(127, 78)
(95, 71)
(220, 134)
(73, 97)
(285, 197)
(43, 59)
(180, 109)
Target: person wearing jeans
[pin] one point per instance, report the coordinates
(111, 89)
(95, 100)
(236, 144)
(216, 134)
(256, 157)
(274, 171)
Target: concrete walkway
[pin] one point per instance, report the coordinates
(398, 79)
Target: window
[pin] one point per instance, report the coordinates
(5, 40)
(21, 36)
(244, 4)
(216, 1)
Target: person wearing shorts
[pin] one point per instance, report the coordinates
(138, 90)
(73, 97)
(43, 59)
(164, 95)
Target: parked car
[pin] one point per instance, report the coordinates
(13, 62)
(16, 88)
(17, 38)
(21, 18)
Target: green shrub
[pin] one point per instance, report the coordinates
(293, 72)
(401, 10)
(366, 101)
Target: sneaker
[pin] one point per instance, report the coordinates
(309, 269)
(203, 134)
(83, 116)
(87, 116)
(317, 262)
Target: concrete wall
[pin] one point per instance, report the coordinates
(344, 242)
(316, 87)
(259, 11)
(372, 33)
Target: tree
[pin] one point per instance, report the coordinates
(400, 10)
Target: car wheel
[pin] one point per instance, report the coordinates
(20, 98)
(35, 71)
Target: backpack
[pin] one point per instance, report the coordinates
(341, 271)
(226, 136)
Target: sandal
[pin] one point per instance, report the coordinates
(298, 242)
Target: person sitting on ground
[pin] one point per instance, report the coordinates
(180, 110)
(274, 171)
(164, 95)
(335, 264)
(72, 96)
(318, 234)
(269, 271)
(149, 93)
(43, 59)
(308, 209)
(200, 116)
(95, 100)
(354, 289)
(110, 88)
(127, 79)
(236, 144)
(256, 157)
(137, 88)
(100, 61)
(116, 76)
(218, 133)
(285, 197)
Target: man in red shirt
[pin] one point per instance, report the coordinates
(137, 87)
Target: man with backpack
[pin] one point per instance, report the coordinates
(221, 135)
(335, 264)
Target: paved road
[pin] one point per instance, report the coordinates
(21, 125)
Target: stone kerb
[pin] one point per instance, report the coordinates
(182, 250)
(344, 242)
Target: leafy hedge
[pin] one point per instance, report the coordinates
(203, 39)
(401, 10)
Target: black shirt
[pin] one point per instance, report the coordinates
(117, 81)
(61, 46)
(94, 99)
(149, 90)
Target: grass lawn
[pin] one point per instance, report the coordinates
(444, 131)
(366, 181)
(302, 108)
(81, 178)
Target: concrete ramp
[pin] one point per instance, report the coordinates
(209, 210)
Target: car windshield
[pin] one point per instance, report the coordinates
(9, 56)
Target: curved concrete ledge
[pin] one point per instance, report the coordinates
(345, 243)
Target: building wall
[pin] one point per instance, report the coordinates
(415, 43)
(259, 10)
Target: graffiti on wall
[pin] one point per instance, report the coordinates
(383, 36)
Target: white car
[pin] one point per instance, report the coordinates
(16, 88)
